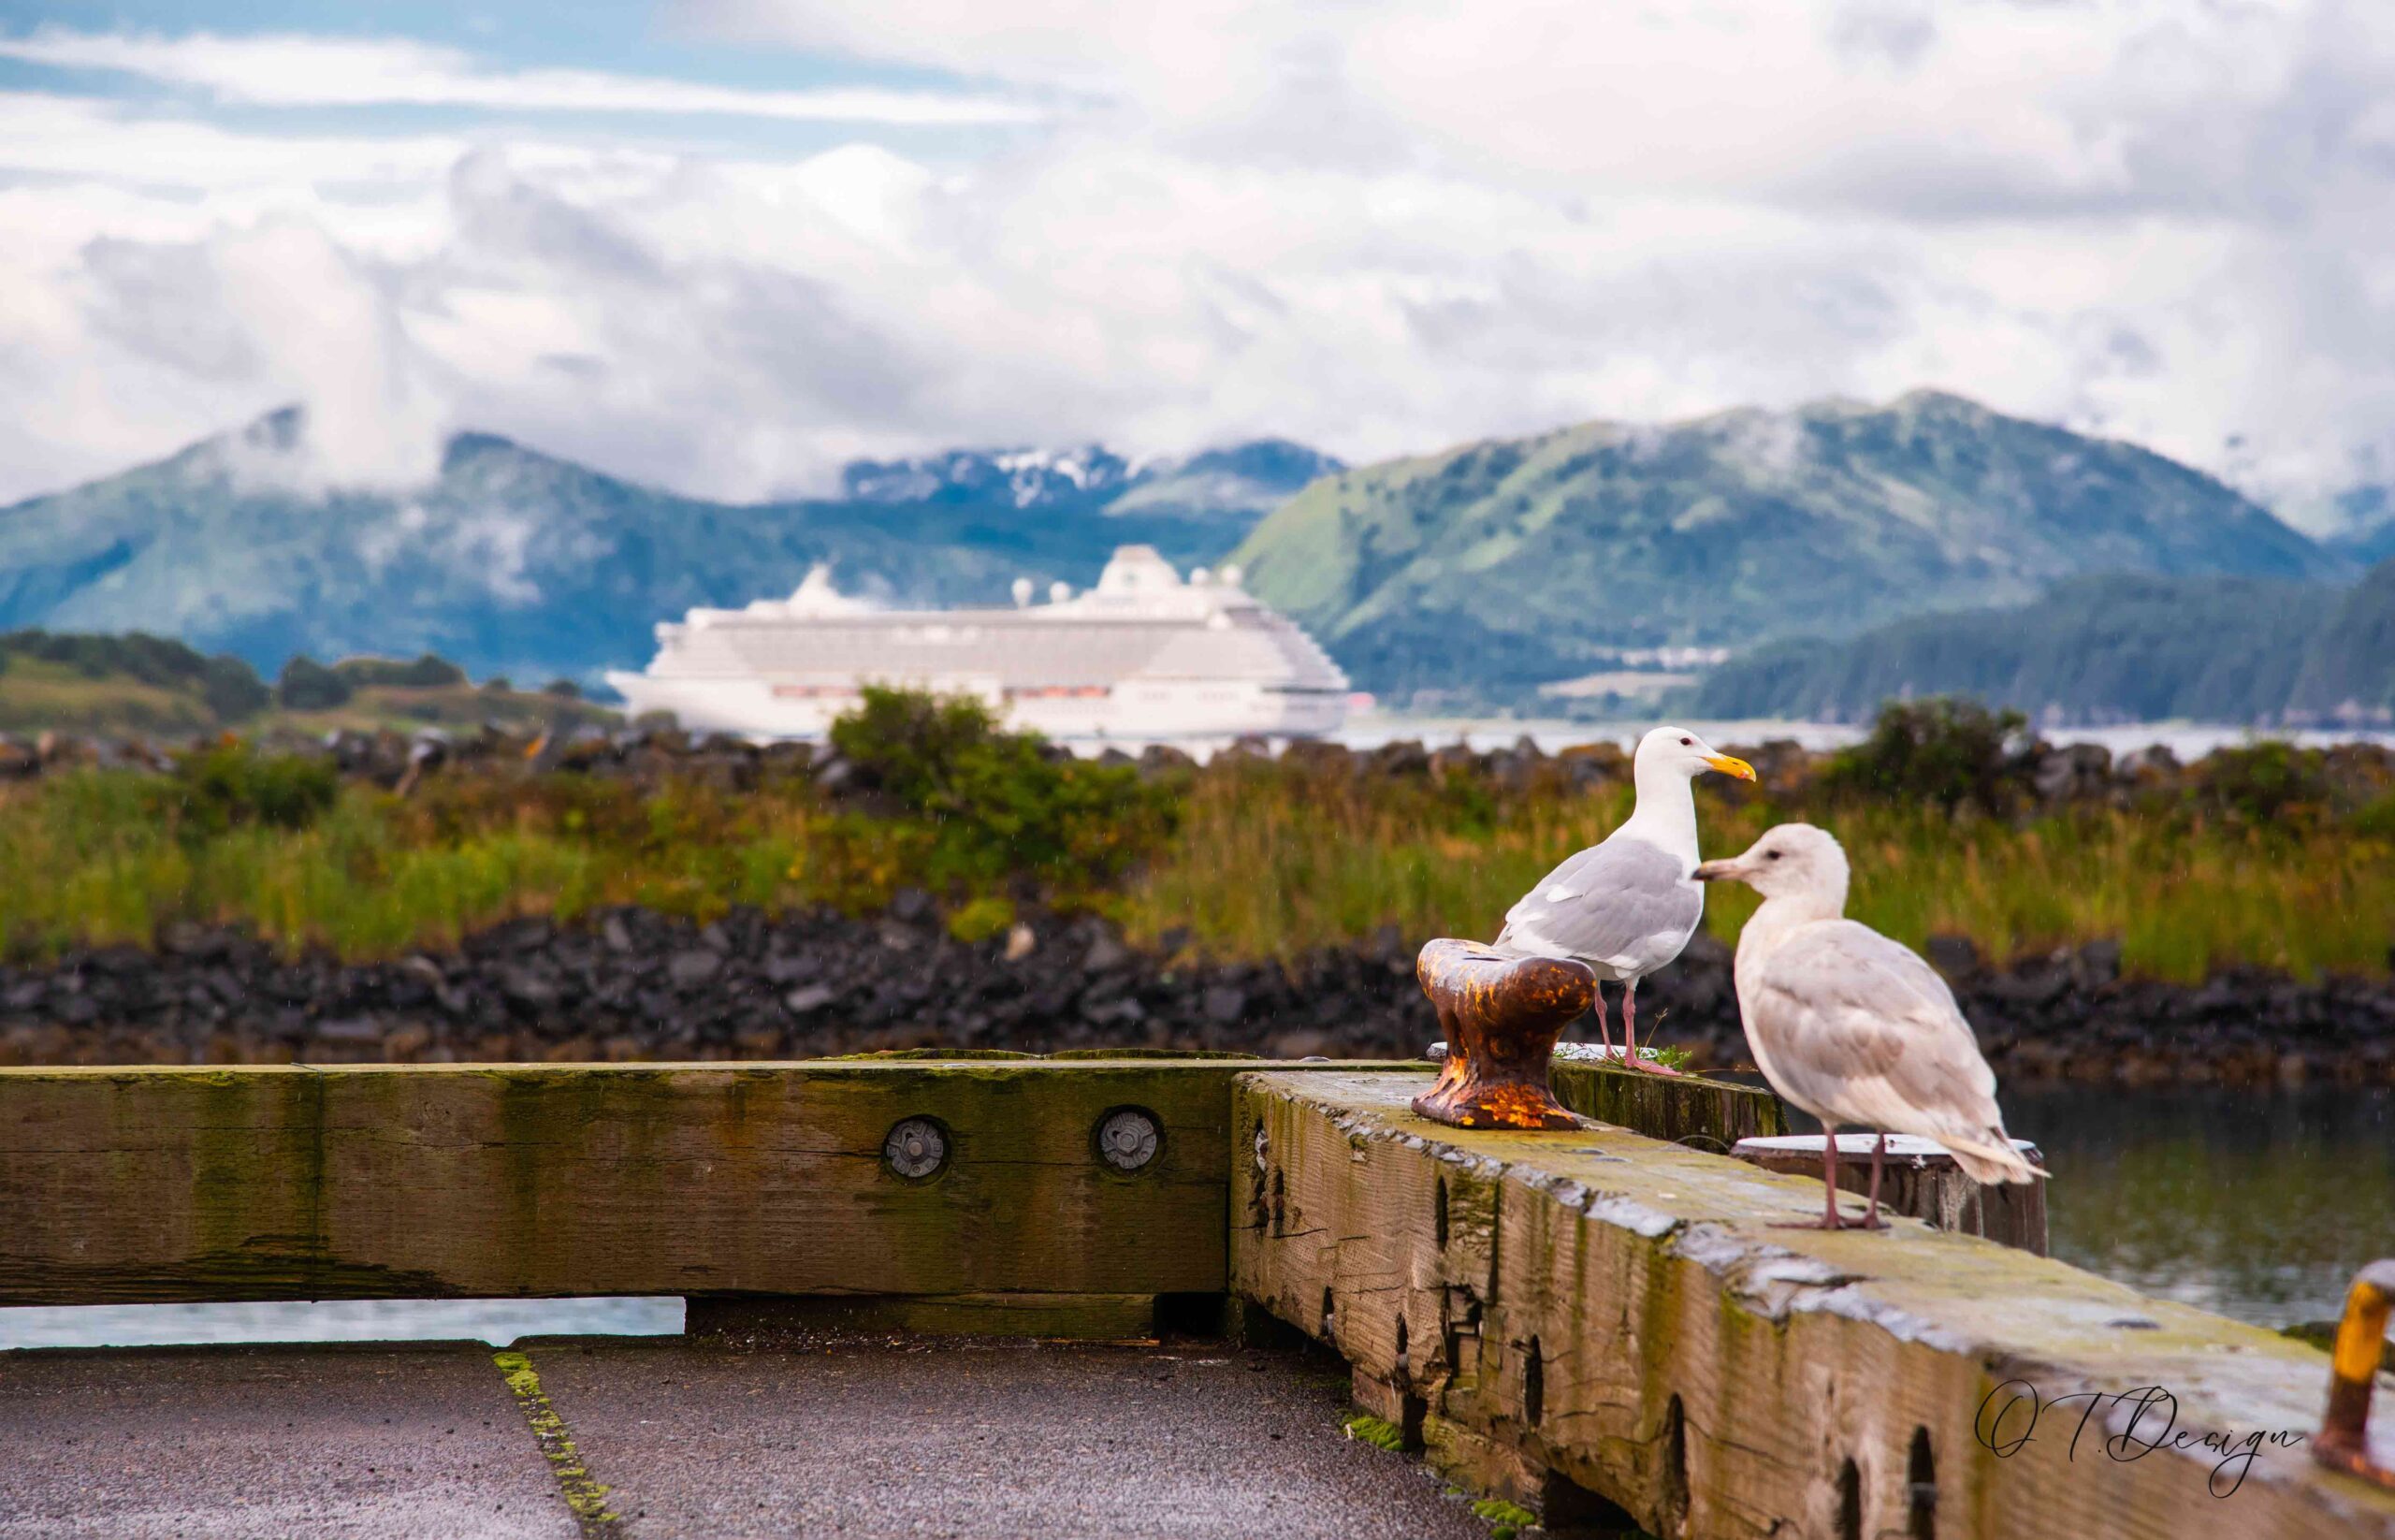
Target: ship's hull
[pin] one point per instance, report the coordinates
(1135, 711)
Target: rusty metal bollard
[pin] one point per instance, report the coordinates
(1502, 1016)
(2343, 1443)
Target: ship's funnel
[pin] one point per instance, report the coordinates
(1137, 570)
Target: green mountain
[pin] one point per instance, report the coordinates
(2350, 672)
(1506, 563)
(2095, 650)
(511, 561)
(2098, 650)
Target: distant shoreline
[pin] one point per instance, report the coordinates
(2188, 740)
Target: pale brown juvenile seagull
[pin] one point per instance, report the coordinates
(1852, 1027)
(1627, 905)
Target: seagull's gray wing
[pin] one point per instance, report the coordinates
(1860, 1028)
(1625, 903)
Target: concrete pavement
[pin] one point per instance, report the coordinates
(667, 1438)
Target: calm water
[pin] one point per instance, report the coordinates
(2261, 1205)
(2258, 1205)
(499, 1322)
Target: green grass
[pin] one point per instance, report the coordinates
(374, 875)
(1273, 863)
(1249, 860)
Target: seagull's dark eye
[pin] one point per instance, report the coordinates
(1771, 855)
(1688, 743)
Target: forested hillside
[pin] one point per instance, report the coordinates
(2099, 649)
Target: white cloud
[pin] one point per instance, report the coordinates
(1378, 226)
(300, 70)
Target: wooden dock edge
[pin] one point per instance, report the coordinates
(130, 1184)
(1691, 1110)
(121, 1186)
(1603, 1328)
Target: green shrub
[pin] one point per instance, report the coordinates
(1943, 750)
(995, 802)
(230, 785)
(307, 685)
(2374, 818)
(2265, 782)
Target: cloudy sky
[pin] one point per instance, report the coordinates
(724, 245)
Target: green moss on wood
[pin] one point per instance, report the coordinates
(1505, 1520)
(1379, 1433)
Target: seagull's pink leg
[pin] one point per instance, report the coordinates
(1630, 1033)
(1878, 1154)
(1829, 1219)
(1604, 1033)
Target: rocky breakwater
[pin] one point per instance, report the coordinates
(2259, 781)
(628, 985)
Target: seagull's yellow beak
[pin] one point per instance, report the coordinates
(1730, 764)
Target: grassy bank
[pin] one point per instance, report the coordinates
(1246, 858)
(1265, 865)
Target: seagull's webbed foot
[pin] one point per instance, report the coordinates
(1830, 1219)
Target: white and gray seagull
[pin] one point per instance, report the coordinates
(1851, 1026)
(1626, 906)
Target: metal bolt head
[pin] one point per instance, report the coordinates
(1127, 1138)
(916, 1147)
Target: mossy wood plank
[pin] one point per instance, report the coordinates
(1707, 1114)
(1617, 1311)
(380, 1181)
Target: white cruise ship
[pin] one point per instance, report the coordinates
(1144, 657)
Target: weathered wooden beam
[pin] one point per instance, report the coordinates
(506, 1179)
(1595, 1319)
(1691, 1110)
(1917, 1178)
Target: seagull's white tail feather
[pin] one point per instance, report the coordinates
(1990, 1160)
